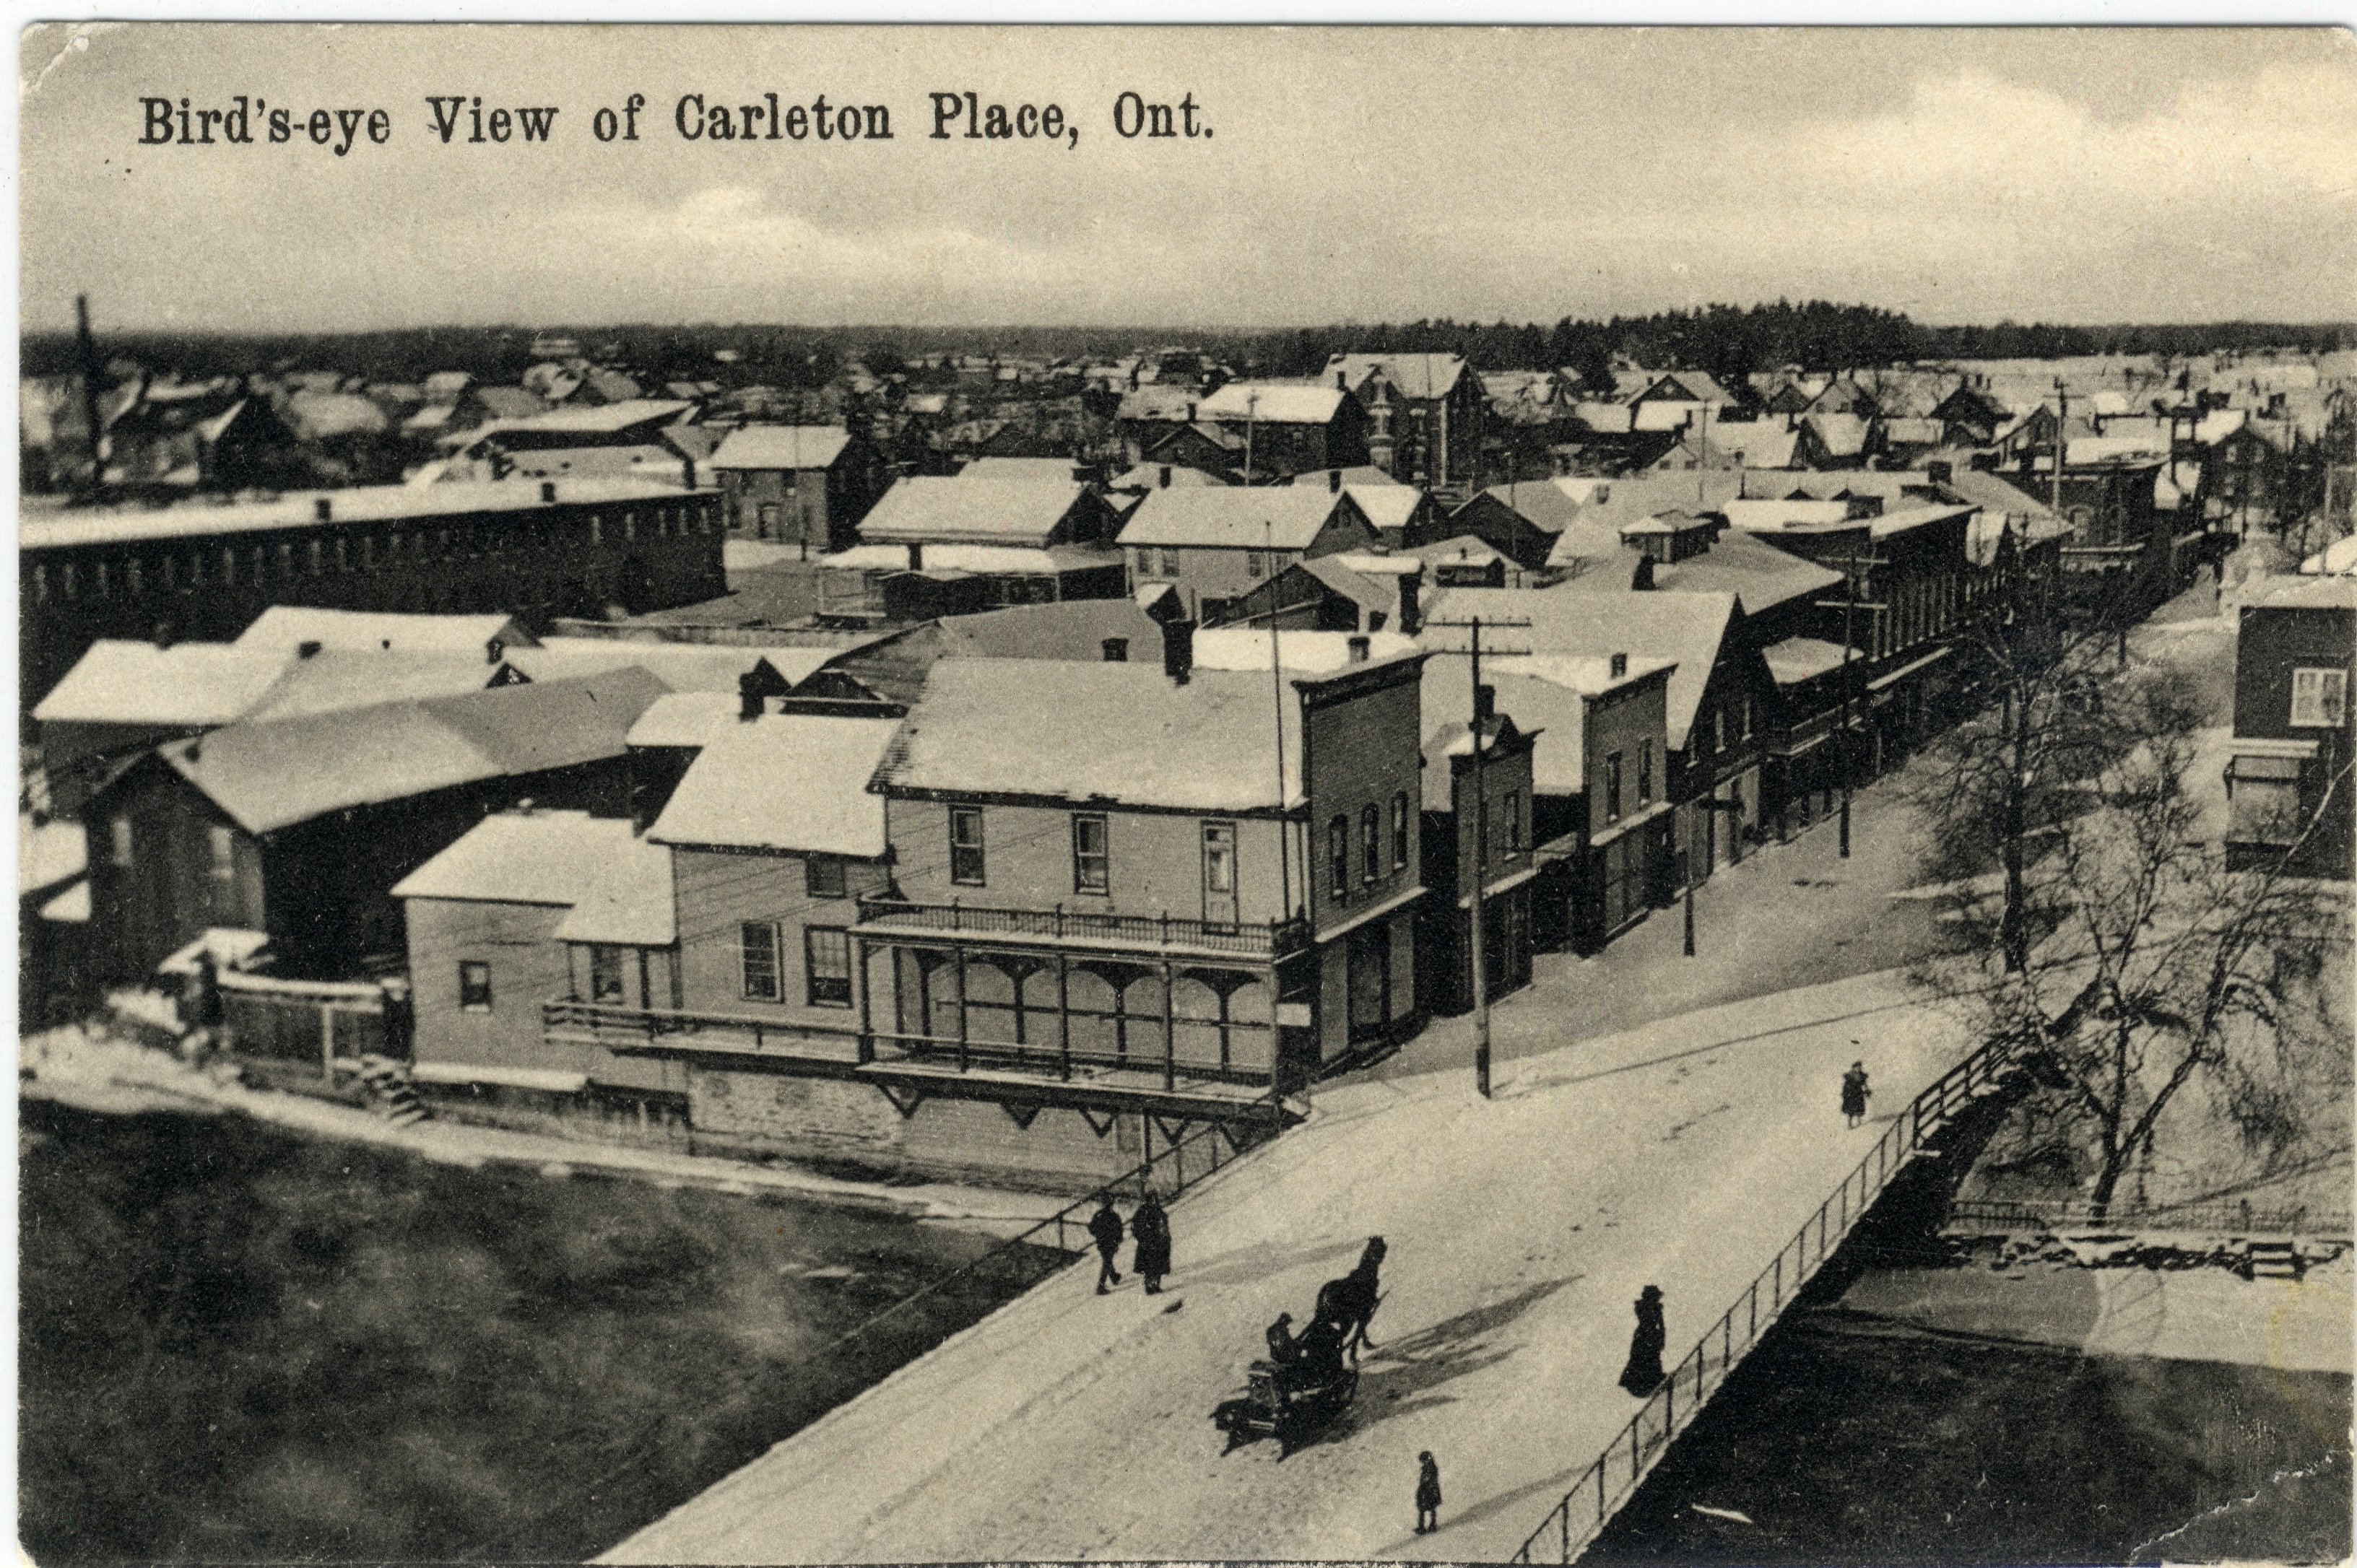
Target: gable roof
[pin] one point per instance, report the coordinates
(980, 510)
(338, 678)
(1388, 508)
(1318, 652)
(794, 782)
(286, 627)
(780, 446)
(1043, 471)
(191, 683)
(688, 719)
(520, 858)
(1750, 568)
(1096, 732)
(1841, 434)
(1687, 629)
(1274, 402)
(681, 666)
(1279, 517)
(274, 774)
(1415, 375)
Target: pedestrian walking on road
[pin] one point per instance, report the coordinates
(1427, 1494)
(1643, 1372)
(1105, 1226)
(1855, 1093)
(1151, 1226)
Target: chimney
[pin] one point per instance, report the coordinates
(686, 474)
(1190, 414)
(1165, 476)
(1341, 381)
(1940, 473)
(1359, 647)
(1179, 650)
(548, 492)
(308, 649)
(1116, 651)
(749, 697)
(323, 510)
(1485, 702)
(1333, 481)
(1411, 614)
(916, 555)
(1620, 665)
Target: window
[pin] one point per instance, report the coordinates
(759, 941)
(41, 585)
(119, 841)
(965, 845)
(1091, 855)
(285, 562)
(606, 974)
(825, 876)
(1371, 844)
(474, 985)
(826, 966)
(1255, 564)
(1399, 830)
(1644, 773)
(1337, 856)
(1718, 729)
(1513, 822)
(223, 844)
(1170, 563)
(2319, 698)
(1747, 716)
(1613, 788)
(1219, 857)
(768, 520)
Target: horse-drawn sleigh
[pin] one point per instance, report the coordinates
(1304, 1384)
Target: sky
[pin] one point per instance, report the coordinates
(1348, 175)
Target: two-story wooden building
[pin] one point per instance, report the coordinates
(2289, 786)
(798, 483)
(1288, 427)
(1480, 841)
(1217, 544)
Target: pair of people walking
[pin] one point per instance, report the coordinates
(1149, 1225)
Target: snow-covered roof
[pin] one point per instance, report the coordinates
(691, 719)
(781, 446)
(681, 666)
(1388, 507)
(520, 858)
(286, 627)
(629, 902)
(1416, 375)
(1799, 659)
(191, 683)
(971, 510)
(1278, 516)
(1098, 732)
(1043, 471)
(1249, 648)
(1274, 402)
(795, 782)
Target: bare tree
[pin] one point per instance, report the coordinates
(2124, 954)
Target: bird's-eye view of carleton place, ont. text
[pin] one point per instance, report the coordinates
(903, 793)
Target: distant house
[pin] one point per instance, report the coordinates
(1521, 521)
(1217, 544)
(806, 484)
(298, 828)
(1426, 413)
(1015, 541)
(1970, 417)
(2288, 783)
(1289, 427)
(1831, 439)
(1211, 449)
(1346, 592)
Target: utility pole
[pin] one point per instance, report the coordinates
(1276, 685)
(2062, 440)
(1251, 408)
(1478, 935)
(1849, 685)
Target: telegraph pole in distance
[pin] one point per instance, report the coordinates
(1478, 935)
(1849, 687)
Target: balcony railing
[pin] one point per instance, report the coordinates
(624, 1027)
(1270, 940)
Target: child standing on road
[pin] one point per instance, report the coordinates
(1427, 1494)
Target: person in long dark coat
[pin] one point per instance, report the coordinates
(1151, 1226)
(1643, 1372)
(1427, 1494)
(1854, 1093)
(1105, 1227)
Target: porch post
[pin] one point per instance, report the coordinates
(867, 1039)
(1064, 1010)
(959, 954)
(1169, 1033)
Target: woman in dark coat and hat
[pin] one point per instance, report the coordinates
(1643, 1372)
(1151, 1226)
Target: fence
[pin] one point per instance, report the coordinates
(2217, 1216)
(326, 1022)
(1672, 1407)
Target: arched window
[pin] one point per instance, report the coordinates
(1338, 853)
(1399, 830)
(1370, 843)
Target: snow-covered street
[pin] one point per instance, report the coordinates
(1681, 1153)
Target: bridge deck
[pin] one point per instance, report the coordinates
(1684, 1153)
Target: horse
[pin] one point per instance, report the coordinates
(1348, 1302)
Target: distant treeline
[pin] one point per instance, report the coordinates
(1730, 341)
